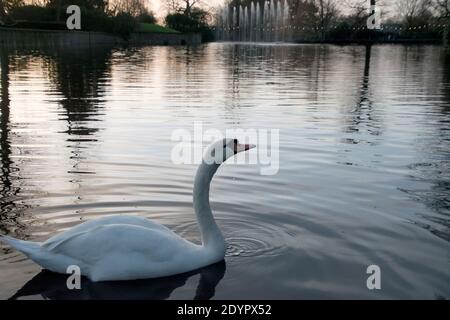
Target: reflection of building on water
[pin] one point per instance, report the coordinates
(54, 286)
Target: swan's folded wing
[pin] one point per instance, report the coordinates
(56, 243)
(88, 226)
(125, 241)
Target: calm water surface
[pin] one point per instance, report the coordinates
(364, 164)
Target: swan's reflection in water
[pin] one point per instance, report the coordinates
(51, 285)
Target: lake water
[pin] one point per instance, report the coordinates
(364, 164)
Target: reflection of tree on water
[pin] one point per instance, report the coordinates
(53, 286)
(77, 75)
(235, 77)
(4, 125)
(8, 191)
(362, 114)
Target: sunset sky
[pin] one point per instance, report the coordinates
(158, 6)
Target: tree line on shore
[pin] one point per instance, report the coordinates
(328, 20)
(317, 19)
(115, 16)
(120, 17)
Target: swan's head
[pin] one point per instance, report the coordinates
(223, 149)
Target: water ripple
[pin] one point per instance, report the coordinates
(245, 238)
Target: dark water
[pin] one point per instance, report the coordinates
(364, 164)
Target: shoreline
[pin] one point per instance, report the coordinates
(38, 37)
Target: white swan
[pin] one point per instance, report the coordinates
(129, 247)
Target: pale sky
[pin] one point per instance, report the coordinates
(159, 9)
(158, 6)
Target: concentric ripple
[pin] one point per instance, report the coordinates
(248, 247)
(245, 238)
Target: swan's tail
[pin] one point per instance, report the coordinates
(26, 247)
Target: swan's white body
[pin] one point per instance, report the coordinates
(129, 247)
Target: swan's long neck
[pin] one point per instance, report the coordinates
(211, 235)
